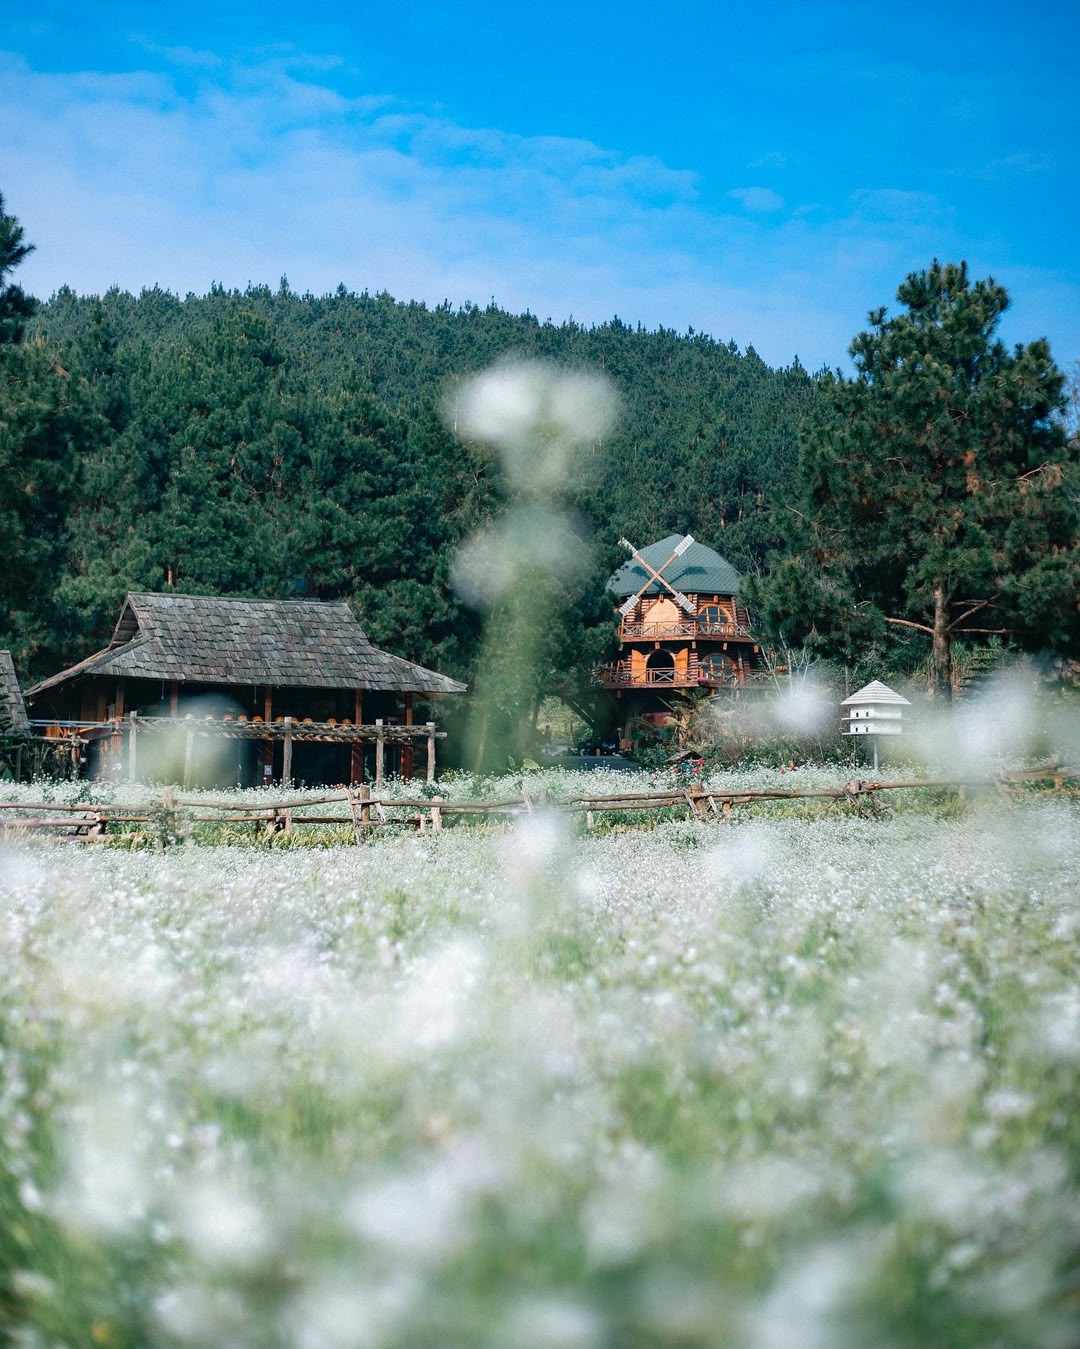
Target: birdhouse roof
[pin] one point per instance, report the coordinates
(698, 571)
(876, 692)
(284, 643)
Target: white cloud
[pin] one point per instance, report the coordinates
(757, 198)
(245, 173)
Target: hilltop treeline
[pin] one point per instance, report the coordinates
(268, 443)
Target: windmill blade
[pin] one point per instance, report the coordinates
(658, 576)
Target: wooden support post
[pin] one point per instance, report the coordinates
(174, 698)
(407, 748)
(116, 743)
(189, 745)
(18, 764)
(286, 771)
(286, 755)
(436, 813)
(266, 747)
(431, 751)
(727, 811)
(75, 755)
(133, 752)
(356, 754)
(380, 752)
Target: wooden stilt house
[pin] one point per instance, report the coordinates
(294, 686)
(681, 628)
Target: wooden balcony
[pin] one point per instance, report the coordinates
(619, 675)
(631, 631)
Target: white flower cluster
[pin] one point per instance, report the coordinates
(787, 1082)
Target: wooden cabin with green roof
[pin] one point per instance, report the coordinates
(681, 628)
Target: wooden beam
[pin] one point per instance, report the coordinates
(380, 752)
(431, 751)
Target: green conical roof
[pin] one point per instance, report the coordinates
(699, 571)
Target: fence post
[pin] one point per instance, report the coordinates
(356, 819)
(365, 809)
(380, 752)
(436, 812)
(431, 751)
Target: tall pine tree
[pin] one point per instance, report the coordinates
(939, 492)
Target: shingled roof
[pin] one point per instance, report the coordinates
(699, 571)
(12, 708)
(202, 639)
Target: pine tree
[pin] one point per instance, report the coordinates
(939, 492)
(44, 422)
(15, 305)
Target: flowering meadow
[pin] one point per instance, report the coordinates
(787, 1083)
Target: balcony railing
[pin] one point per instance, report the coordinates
(660, 632)
(621, 675)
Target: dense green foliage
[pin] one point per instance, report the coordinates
(268, 443)
(939, 487)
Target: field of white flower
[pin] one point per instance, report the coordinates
(783, 1083)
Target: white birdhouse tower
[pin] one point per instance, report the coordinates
(875, 710)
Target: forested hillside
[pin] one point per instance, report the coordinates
(268, 443)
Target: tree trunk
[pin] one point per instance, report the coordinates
(941, 654)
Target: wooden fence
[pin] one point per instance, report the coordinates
(171, 817)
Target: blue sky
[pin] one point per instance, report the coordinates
(762, 173)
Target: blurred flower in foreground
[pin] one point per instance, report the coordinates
(536, 415)
(489, 564)
(523, 567)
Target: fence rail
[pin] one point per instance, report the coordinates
(169, 816)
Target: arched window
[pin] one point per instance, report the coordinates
(717, 668)
(710, 617)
